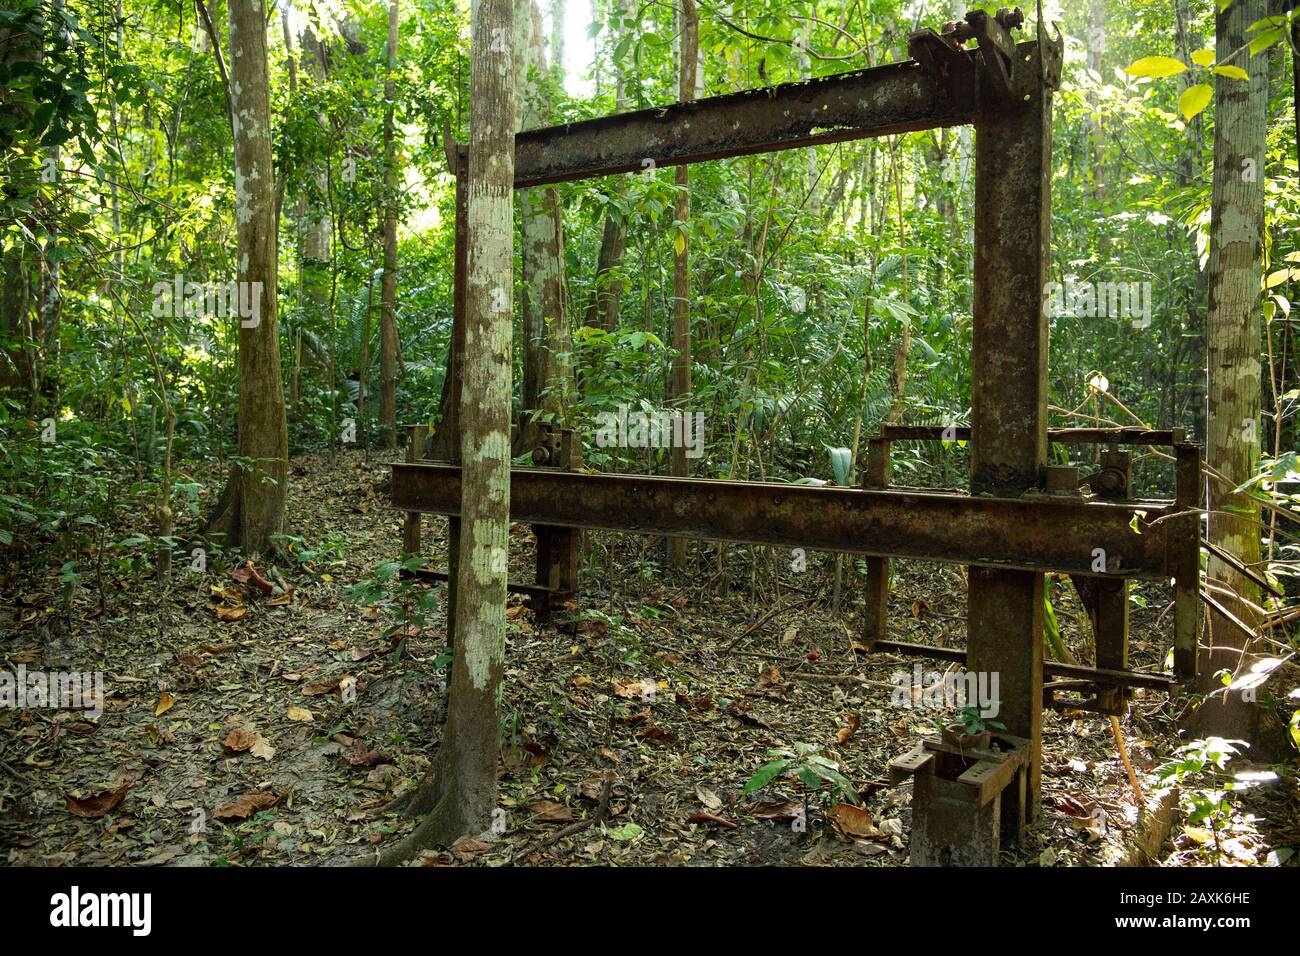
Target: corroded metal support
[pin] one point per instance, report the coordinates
(882, 100)
(1185, 560)
(417, 435)
(559, 549)
(961, 796)
(1013, 150)
(1067, 436)
(1031, 533)
(875, 601)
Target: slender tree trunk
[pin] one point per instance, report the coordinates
(18, 368)
(547, 339)
(681, 371)
(1233, 420)
(388, 306)
(460, 793)
(607, 288)
(252, 508)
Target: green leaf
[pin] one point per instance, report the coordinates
(627, 832)
(1231, 72)
(1203, 57)
(1266, 40)
(1155, 67)
(840, 459)
(765, 775)
(1194, 99)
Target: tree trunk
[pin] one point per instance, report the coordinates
(1233, 438)
(460, 792)
(607, 288)
(388, 296)
(251, 509)
(547, 340)
(681, 372)
(18, 368)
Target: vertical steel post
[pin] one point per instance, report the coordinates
(416, 436)
(875, 601)
(1013, 148)
(1186, 557)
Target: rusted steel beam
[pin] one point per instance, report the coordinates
(1067, 436)
(1038, 533)
(1013, 167)
(894, 98)
(1099, 675)
(536, 593)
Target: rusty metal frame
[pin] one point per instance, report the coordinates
(1007, 529)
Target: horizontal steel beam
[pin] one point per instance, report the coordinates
(1034, 533)
(1068, 436)
(1097, 675)
(895, 98)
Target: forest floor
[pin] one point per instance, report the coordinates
(247, 728)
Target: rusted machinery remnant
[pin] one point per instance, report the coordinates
(957, 798)
(1103, 586)
(1015, 522)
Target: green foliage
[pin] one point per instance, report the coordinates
(1205, 786)
(809, 766)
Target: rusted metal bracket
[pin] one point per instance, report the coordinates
(998, 54)
(957, 798)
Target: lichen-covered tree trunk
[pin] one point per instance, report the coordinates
(252, 508)
(607, 287)
(548, 371)
(460, 792)
(317, 227)
(681, 371)
(388, 295)
(1233, 420)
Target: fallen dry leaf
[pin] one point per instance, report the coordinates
(245, 806)
(548, 811)
(634, 689)
(237, 741)
(466, 848)
(707, 797)
(768, 810)
(225, 612)
(300, 713)
(844, 733)
(854, 822)
(96, 804)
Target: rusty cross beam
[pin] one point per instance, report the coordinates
(1035, 533)
(894, 98)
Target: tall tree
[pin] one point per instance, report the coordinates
(607, 286)
(388, 295)
(460, 792)
(547, 339)
(681, 371)
(1233, 419)
(251, 509)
